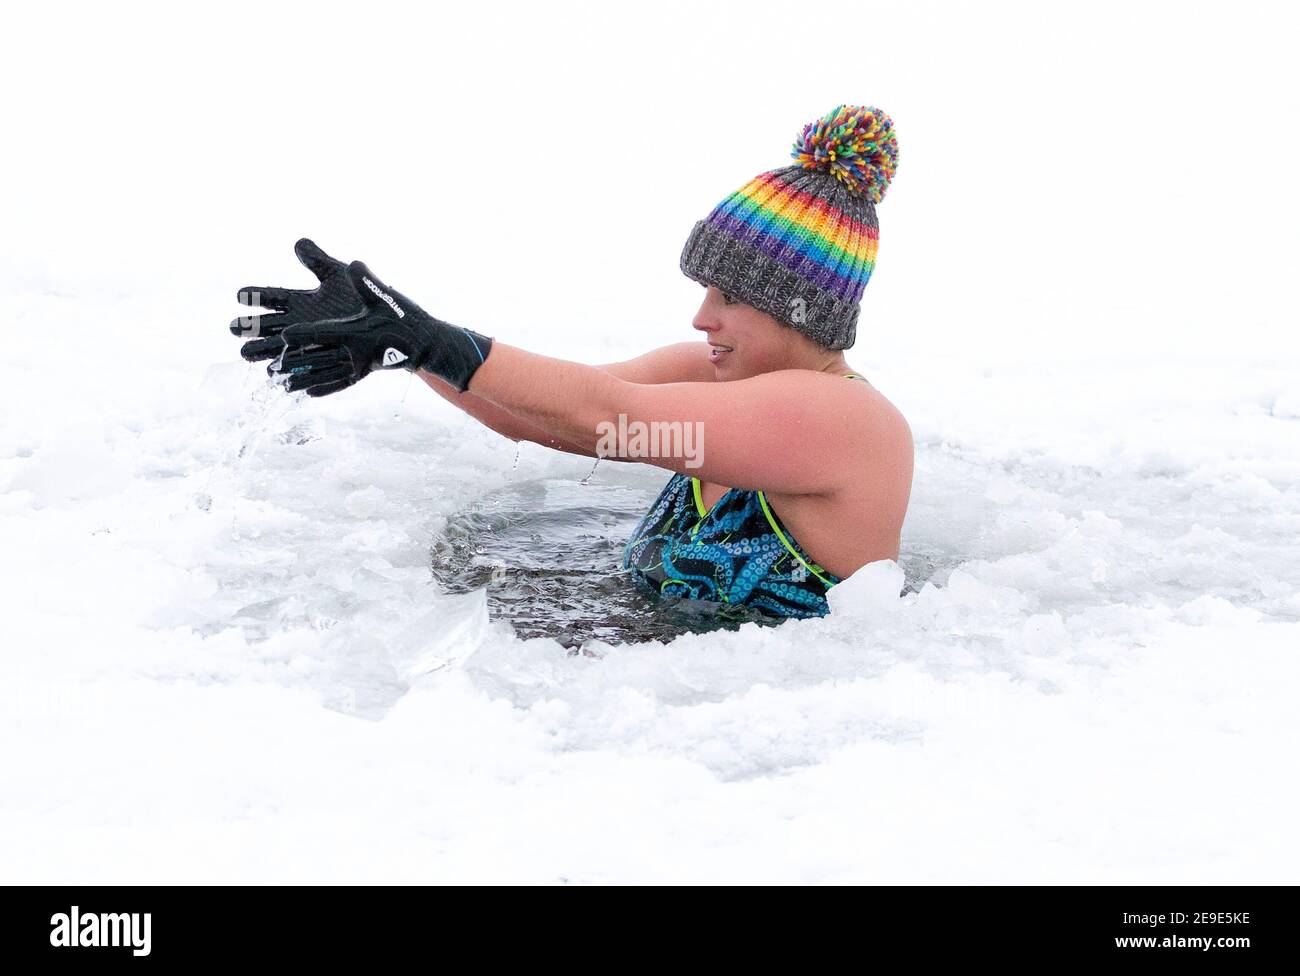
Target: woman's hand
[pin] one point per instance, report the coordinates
(390, 332)
(335, 297)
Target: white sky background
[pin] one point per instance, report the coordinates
(1115, 175)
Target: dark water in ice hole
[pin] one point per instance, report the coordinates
(550, 553)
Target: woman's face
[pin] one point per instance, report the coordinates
(745, 342)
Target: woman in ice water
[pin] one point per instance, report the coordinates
(791, 471)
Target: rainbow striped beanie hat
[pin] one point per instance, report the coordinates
(800, 242)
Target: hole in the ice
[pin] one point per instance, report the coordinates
(550, 554)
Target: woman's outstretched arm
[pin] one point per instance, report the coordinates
(500, 419)
(679, 362)
(786, 430)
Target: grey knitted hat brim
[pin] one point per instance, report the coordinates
(764, 264)
(714, 257)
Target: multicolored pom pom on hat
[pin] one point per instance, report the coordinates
(855, 143)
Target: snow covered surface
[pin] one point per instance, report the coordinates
(221, 654)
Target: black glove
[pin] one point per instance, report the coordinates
(391, 332)
(334, 298)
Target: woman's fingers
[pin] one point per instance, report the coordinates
(325, 389)
(317, 261)
(257, 350)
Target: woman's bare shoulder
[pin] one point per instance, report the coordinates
(889, 415)
(880, 434)
(844, 394)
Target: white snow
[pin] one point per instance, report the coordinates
(218, 666)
